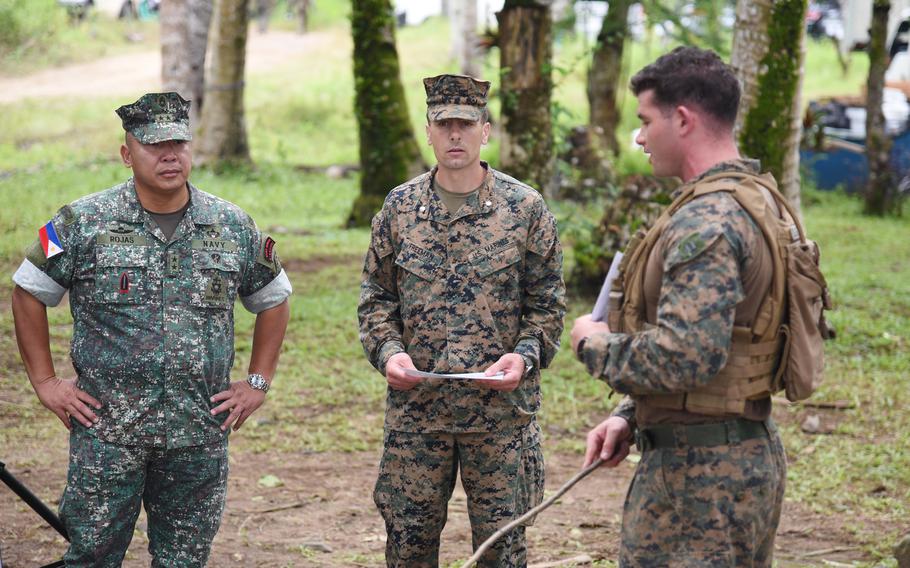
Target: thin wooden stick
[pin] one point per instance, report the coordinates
(562, 490)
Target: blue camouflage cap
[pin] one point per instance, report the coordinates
(455, 96)
(157, 117)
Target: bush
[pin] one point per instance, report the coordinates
(28, 24)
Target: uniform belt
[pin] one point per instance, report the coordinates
(716, 434)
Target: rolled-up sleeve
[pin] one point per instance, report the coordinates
(31, 279)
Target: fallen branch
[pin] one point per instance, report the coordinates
(530, 514)
(574, 561)
(824, 551)
(296, 505)
(836, 405)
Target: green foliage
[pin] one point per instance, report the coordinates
(27, 25)
(691, 23)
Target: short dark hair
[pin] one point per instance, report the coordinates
(692, 76)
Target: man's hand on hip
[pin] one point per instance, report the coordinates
(241, 400)
(395, 369)
(62, 398)
(514, 368)
(610, 440)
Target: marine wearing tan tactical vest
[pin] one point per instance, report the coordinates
(747, 380)
(695, 333)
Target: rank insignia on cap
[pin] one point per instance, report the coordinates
(50, 242)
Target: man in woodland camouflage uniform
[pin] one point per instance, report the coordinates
(709, 487)
(463, 274)
(153, 267)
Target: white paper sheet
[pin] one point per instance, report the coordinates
(599, 313)
(456, 376)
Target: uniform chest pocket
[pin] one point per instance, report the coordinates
(121, 274)
(423, 265)
(216, 276)
(497, 263)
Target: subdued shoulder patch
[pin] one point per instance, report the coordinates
(690, 247)
(268, 256)
(68, 215)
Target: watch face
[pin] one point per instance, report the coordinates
(257, 382)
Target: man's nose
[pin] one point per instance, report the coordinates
(169, 151)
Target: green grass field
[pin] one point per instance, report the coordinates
(326, 395)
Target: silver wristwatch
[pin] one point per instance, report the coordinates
(257, 382)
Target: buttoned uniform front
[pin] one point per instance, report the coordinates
(153, 340)
(153, 325)
(457, 292)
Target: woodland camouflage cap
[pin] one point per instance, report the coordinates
(157, 117)
(455, 96)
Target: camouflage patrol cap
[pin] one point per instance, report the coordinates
(455, 96)
(157, 117)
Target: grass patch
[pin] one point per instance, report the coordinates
(59, 41)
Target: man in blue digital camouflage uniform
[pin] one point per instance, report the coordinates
(153, 267)
(463, 274)
(689, 338)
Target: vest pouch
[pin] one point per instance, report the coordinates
(806, 290)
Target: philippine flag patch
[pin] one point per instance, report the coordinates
(50, 242)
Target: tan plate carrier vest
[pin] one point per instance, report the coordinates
(752, 363)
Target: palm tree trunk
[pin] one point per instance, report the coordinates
(222, 130)
(184, 34)
(388, 150)
(526, 51)
(604, 76)
(769, 55)
(881, 187)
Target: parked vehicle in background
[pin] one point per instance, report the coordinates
(823, 20)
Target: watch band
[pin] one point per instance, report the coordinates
(579, 352)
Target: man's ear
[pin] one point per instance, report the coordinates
(429, 142)
(485, 134)
(126, 156)
(685, 120)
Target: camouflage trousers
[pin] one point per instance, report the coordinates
(705, 506)
(502, 474)
(183, 491)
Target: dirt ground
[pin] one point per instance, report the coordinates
(323, 515)
(134, 72)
